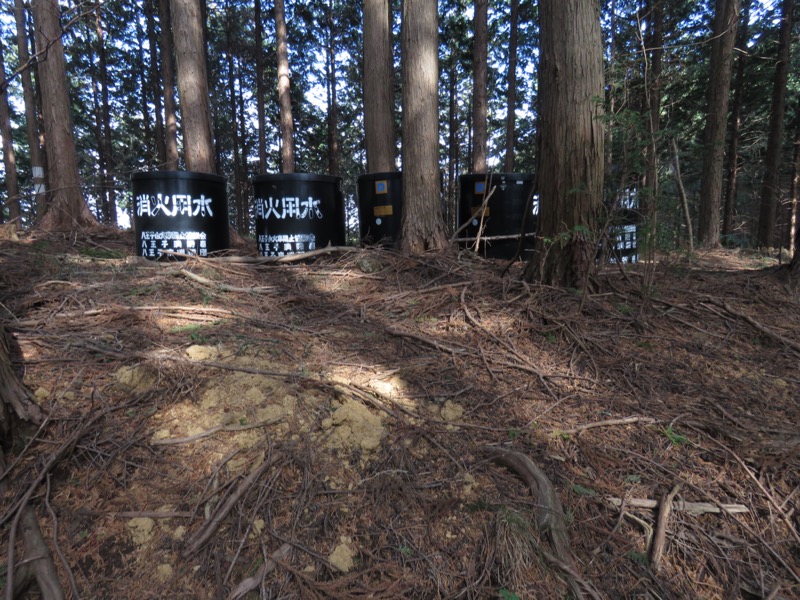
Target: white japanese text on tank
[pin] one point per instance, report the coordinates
(288, 208)
(182, 242)
(173, 205)
(286, 244)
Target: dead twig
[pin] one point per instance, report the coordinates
(251, 583)
(606, 423)
(201, 536)
(693, 508)
(657, 549)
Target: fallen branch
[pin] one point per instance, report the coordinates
(222, 287)
(202, 535)
(606, 423)
(210, 432)
(657, 549)
(550, 516)
(251, 583)
(693, 508)
(758, 326)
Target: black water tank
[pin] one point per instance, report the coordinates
(380, 207)
(503, 215)
(298, 212)
(179, 211)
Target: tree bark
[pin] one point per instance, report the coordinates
(511, 98)
(422, 226)
(379, 127)
(284, 90)
(732, 154)
(768, 212)
(726, 17)
(67, 209)
(261, 91)
(571, 157)
(187, 27)
(9, 158)
(233, 115)
(480, 85)
(655, 43)
(155, 80)
(31, 119)
(333, 108)
(168, 84)
(108, 192)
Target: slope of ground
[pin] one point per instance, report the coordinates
(368, 425)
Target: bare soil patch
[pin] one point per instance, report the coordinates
(368, 425)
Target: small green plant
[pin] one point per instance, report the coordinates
(513, 434)
(639, 557)
(406, 551)
(624, 308)
(242, 421)
(103, 253)
(582, 490)
(675, 438)
(633, 478)
(506, 595)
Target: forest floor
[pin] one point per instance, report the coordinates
(368, 425)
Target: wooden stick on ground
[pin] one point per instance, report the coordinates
(657, 550)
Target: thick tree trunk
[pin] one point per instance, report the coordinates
(233, 115)
(261, 91)
(187, 27)
(732, 154)
(480, 85)
(67, 209)
(379, 127)
(768, 213)
(31, 120)
(9, 158)
(571, 158)
(451, 201)
(422, 226)
(511, 98)
(284, 90)
(726, 17)
(168, 84)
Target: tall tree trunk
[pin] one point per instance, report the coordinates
(379, 126)
(422, 225)
(168, 84)
(333, 109)
(155, 81)
(234, 120)
(451, 200)
(101, 210)
(732, 155)
(140, 68)
(190, 55)
(261, 91)
(511, 97)
(67, 209)
(726, 17)
(768, 213)
(109, 191)
(284, 90)
(653, 68)
(480, 84)
(9, 159)
(31, 119)
(571, 158)
(244, 207)
(794, 194)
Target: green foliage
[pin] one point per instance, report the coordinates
(675, 438)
